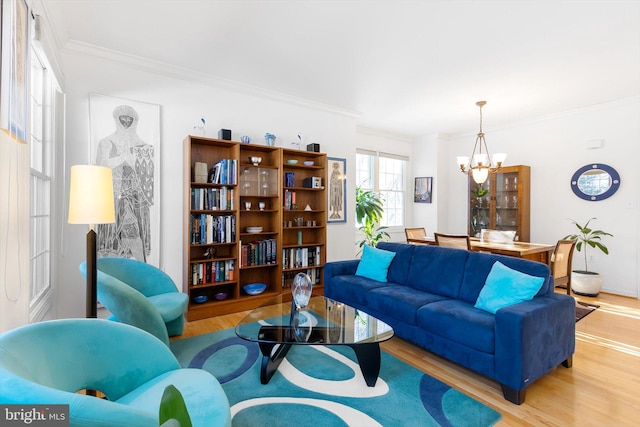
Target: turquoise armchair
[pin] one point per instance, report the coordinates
(153, 284)
(48, 362)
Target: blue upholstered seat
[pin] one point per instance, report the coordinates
(48, 362)
(141, 295)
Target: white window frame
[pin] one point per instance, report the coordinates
(42, 138)
(376, 187)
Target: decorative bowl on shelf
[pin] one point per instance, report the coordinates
(199, 299)
(254, 288)
(308, 162)
(292, 161)
(254, 229)
(255, 160)
(220, 296)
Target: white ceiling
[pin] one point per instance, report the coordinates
(408, 67)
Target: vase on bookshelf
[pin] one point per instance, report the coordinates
(301, 290)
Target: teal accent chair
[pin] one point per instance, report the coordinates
(159, 294)
(48, 362)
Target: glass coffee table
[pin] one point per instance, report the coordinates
(278, 324)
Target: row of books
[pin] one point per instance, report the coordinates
(261, 252)
(289, 199)
(213, 271)
(300, 257)
(224, 172)
(207, 229)
(288, 276)
(212, 199)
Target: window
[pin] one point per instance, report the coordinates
(41, 159)
(385, 174)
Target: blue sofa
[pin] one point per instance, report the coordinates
(429, 300)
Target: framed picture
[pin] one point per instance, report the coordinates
(125, 136)
(337, 179)
(423, 189)
(13, 67)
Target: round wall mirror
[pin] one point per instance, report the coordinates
(595, 182)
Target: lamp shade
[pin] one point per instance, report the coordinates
(480, 175)
(91, 195)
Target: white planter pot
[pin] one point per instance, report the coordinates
(586, 283)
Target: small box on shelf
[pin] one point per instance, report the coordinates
(312, 182)
(313, 147)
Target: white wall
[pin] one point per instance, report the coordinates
(182, 103)
(555, 147)
(14, 233)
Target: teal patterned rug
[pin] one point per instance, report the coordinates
(323, 386)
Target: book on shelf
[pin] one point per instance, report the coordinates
(212, 199)
(301, 257)
(289, 200)
(224, 172)
(212, 272)
(208, 229)
(259, 252)
(288, 276)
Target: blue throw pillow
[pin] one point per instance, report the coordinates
(505, 286)
(375, 263)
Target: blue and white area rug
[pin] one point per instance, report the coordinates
(323, 386)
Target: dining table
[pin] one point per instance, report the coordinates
(540, 252)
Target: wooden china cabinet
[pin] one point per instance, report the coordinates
(502, 202)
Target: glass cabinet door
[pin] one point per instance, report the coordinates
(506, 197)
(480, 206)
(501, 202)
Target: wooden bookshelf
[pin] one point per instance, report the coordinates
(265, 228)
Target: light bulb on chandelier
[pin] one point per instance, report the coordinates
(480, 163)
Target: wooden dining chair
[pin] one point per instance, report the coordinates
(561, 264)
(453, 241)
(415, 233)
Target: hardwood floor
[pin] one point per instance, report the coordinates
(601, 389)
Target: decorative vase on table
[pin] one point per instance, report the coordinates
(301, 290)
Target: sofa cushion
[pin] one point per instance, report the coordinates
(478, 267)
(352, 289)
(400, 302)
(437, 270)
(375, 263)
(459, 322)
(505, 286)
(399, 268)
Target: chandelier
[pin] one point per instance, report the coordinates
(480, 164)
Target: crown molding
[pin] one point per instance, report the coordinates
(363, 130)
(186, 74)
(621, 102)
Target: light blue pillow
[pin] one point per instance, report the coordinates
(505, 286)
(375, 263)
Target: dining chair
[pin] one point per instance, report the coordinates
(561, 264)
(453, 241)
(415, 233)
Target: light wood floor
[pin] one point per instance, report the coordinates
(601, 389)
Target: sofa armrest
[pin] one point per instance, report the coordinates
(532, 338)
(340, 268)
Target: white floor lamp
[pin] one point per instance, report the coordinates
(91, 202)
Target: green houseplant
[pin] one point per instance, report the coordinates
(587, 282)
(369, 210)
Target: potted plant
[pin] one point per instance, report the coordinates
(586, 282)
(369, 210)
